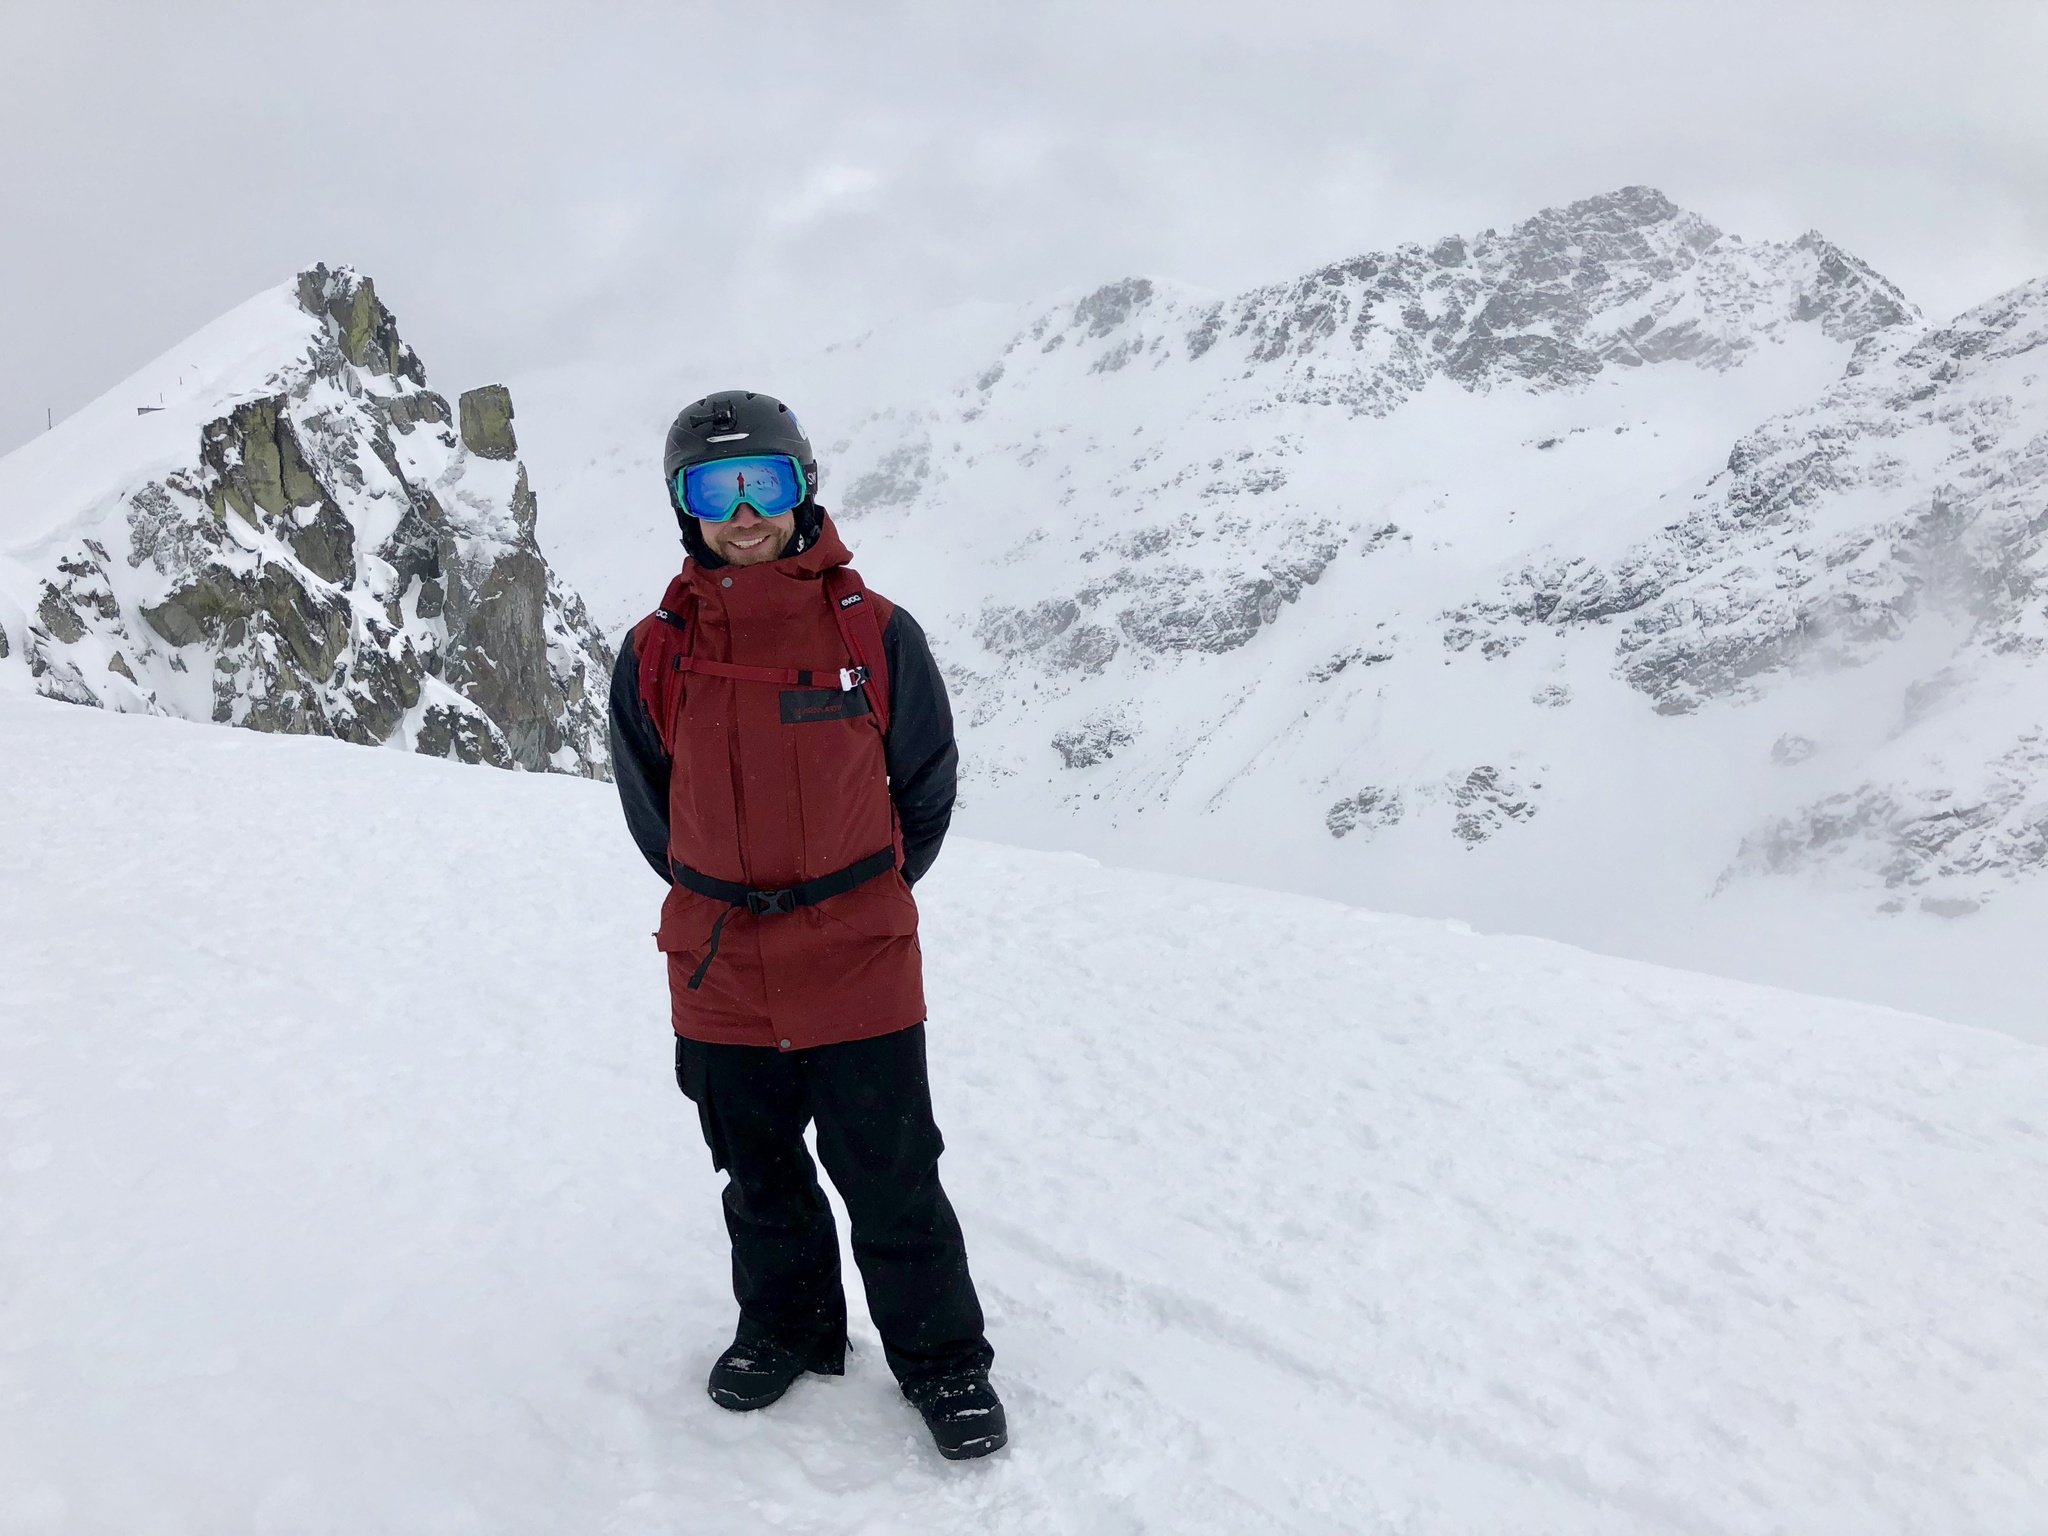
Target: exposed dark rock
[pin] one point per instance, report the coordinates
(163, 531)
(525, 507)
(362, 328)
(487, 422)
(1013, 631)
(497, 651)
(257, 466)
(1367, 811)
(1487, 799)
(59, 617)
(1086, 648)
(1357, 656)
(405, 412)
(201, 610)
(1180, 611)
(446, 731)
(325, 544)
(1112, 304)
(1172, 607)
(381, 687)
(414, 551)
(1095, 740)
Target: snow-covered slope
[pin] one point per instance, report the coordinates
(1607, 577)
(277, 525)
(1905, 509)
(364, 1200)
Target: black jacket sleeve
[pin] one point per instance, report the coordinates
(923, 761)
(639, 766)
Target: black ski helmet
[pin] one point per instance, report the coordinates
(730, 425)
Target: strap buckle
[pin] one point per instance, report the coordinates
(851, 678)
(769, 903)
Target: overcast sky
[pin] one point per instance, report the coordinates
(528, 189)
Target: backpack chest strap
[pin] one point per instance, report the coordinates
(846, 679)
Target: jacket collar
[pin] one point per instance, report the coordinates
(809, 516)
(825, 552)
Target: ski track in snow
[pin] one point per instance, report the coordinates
(347, 1188)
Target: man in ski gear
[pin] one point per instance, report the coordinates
(784, 752)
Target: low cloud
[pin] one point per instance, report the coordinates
(529, 190)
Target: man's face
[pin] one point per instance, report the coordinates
(748, 538)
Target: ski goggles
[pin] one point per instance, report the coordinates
(770, 483)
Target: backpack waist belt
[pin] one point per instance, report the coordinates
(764, 903)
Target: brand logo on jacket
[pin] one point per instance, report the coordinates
(803, 706)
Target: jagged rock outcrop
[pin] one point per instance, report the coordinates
(338, 553)
(486, 415)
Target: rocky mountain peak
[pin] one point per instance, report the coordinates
(359, 325)
(306, 539)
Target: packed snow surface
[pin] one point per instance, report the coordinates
(344, 1187)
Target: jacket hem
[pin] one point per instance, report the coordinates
(763, 1034)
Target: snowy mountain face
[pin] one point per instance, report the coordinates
(279, 526)
(1551, 576)
(1909, 503)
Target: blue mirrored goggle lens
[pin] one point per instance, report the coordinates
(771, 483)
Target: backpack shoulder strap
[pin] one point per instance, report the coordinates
(854, 607)
(660, 642)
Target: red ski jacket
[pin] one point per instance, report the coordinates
(789, 922)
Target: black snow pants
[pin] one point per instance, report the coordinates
(872, 1103)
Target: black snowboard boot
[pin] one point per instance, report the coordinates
(753, 1373)
(963, 1413)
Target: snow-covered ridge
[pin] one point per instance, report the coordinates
(278, 525)
(1623, 280)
